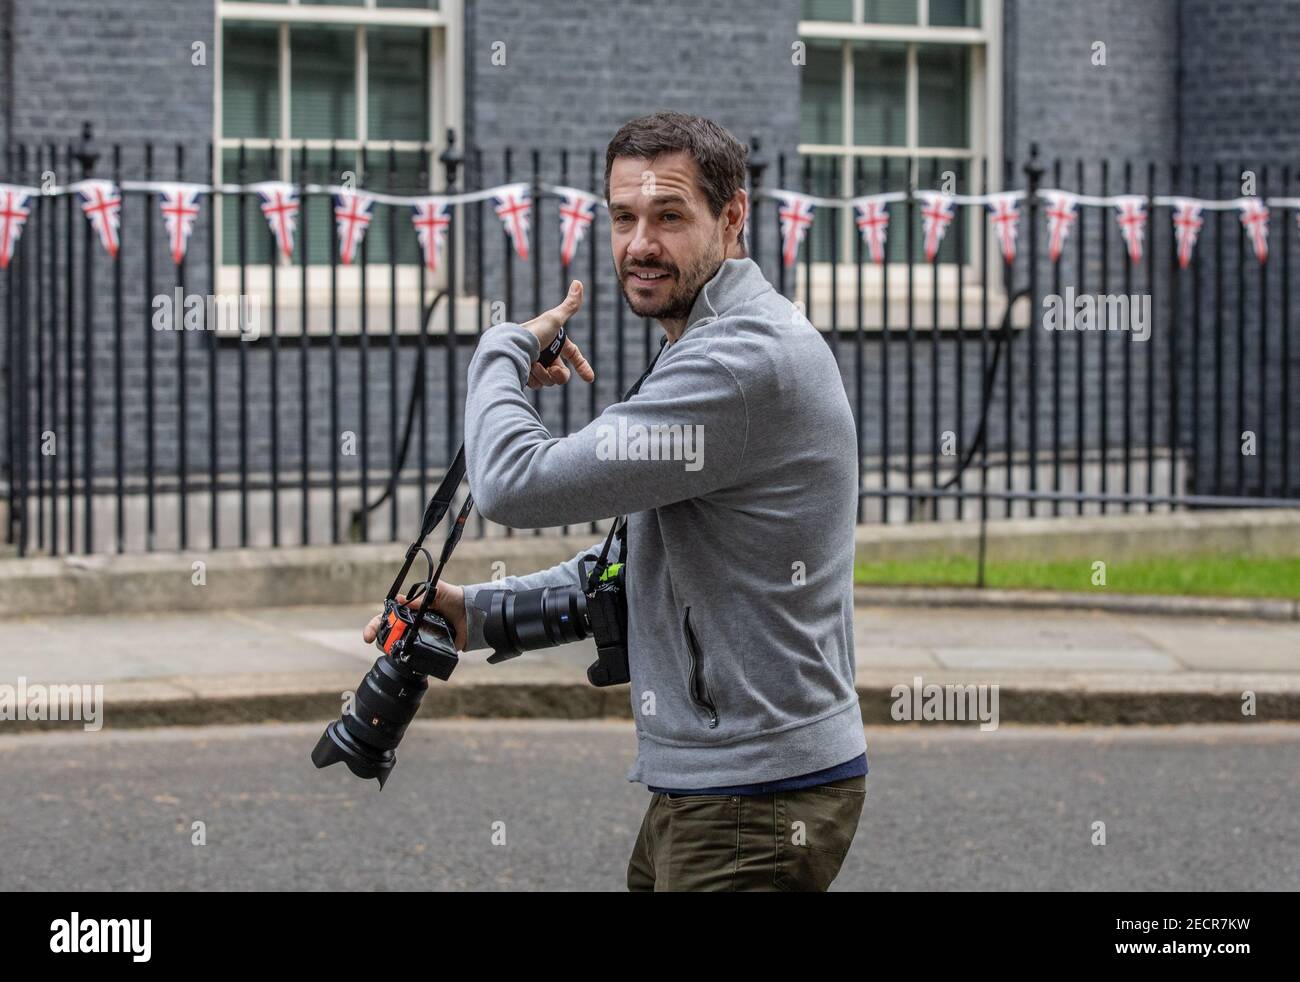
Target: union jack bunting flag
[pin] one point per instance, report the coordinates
(103, 206)
(180, 207)
(1187, 226)
(430, 219)
(280, 206)
(1254, 217)
(352, 216)
(577, 212)
(514, 205)
(873, 223)
(796, 218)
(1006, 221)
(937, 211)
(1062, 210)
(13, 216)
(1132, 220)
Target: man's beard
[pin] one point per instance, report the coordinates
(687, 285)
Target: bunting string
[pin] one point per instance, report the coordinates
(180, 205)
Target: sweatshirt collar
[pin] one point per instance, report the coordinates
(736, 281)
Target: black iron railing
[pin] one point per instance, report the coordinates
(329, 421)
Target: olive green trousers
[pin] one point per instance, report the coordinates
(786, 841)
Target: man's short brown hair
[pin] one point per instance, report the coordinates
(720, 157)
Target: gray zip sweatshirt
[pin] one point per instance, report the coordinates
(736, 464)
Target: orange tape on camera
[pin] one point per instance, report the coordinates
(397, 627)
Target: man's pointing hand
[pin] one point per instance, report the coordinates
(545, 327)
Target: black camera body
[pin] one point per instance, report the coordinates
(430, 650)
(607, 609)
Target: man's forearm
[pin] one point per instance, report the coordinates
(644, 453)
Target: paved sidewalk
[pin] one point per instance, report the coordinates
(293, 663)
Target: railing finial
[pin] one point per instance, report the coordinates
(87, 152)
(757, 163)
(451, 158)
(1033, 170)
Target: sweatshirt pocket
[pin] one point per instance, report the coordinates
(697, 686)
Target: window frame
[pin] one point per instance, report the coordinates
(445, 98)
(984, 106)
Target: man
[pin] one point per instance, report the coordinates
(740, 546)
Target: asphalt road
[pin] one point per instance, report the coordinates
(1185, 808)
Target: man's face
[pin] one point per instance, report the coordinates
(666, 242)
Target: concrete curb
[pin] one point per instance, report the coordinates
(1029, 704)
(321, 575)
(1259, 608)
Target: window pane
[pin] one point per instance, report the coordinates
(872, 176)
(889, 11)
(943, 79)
(880, 95)
(895, 174)
(954, 13)
(323, 99)
(259, 165)
(821, 114)
(320, 236)
(398, 100)
(828, 9)
(932, 173)
(404, 180)
(421, 4)
(250, 88)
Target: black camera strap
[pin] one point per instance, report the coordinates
(438, 506)
(441, 501)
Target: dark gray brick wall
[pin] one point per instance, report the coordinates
(123, 64)
(1054, 95)
(1241, 65)
(6, 69)
(1186, 84)
(1238, 111)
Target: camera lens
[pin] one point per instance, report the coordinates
(529, 619)
(365, 737)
